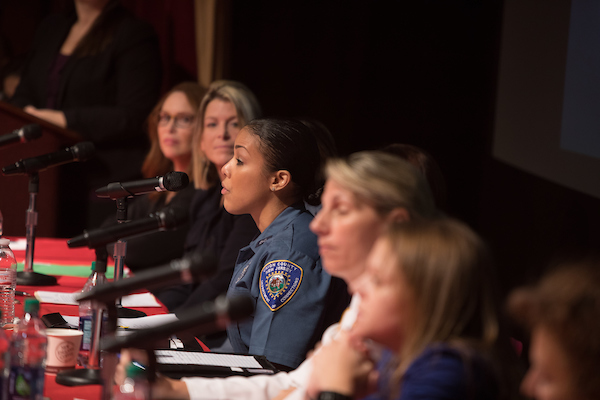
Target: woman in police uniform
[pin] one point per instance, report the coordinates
(273, 171)
(363, 192)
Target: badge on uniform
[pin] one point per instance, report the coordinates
(279, 281)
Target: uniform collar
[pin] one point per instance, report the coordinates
(279, 224)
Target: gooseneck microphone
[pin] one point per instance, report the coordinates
(168, 218)
(24, 134)
(188, 269)
(210, 318)
(80, 152)
(172, 181)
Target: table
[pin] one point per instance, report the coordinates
(72, 267)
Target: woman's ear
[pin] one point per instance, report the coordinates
(398, 214)
(281, 179)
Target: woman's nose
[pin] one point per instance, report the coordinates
(225, 169)
(317, 225)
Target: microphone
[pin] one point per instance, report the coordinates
(172, 181)
(188, 269)
(80, 152)
(212, 317)
(24, 134)
(166, 219)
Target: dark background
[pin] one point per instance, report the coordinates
(377, 72)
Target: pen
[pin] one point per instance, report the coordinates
(19, 293)
(137, 364)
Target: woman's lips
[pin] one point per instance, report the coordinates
(170, 142)
(324, 248)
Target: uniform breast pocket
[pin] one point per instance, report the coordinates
(241, 279)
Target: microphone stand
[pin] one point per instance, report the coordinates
(27, 276)
(91, 375)
(119, 257)
(104, 363)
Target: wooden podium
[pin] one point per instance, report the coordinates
(14, 192)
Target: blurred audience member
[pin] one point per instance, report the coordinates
(563, 314)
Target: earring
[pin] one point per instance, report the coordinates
(272, 188)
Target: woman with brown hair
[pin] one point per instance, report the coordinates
(171, 126)
(562, 312)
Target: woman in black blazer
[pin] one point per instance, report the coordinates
(95, 70)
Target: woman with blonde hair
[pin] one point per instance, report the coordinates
(224, 110)
(428, 297)
(232, 106)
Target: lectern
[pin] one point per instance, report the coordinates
(14, 193)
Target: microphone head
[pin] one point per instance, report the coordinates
(30, 132)
(173, 217)
(239, 307)
(79, 241)
(175, 181)
(82, 151)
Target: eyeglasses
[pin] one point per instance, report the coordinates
(182, 121)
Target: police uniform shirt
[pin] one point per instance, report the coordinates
(295, 298)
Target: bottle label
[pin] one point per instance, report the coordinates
(25, 383)
(85, 325)
(7, 276)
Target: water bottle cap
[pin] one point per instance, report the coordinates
(4, 242)
(99, 267)
(31, 305)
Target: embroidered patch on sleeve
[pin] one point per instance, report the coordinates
(279, 281)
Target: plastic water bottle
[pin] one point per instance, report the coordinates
(28, 356)
(8, 282)
(86, 313)
(4, 363)
(135, 386)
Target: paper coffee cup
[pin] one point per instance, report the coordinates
(63, 349)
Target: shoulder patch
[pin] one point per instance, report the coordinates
(279, 281)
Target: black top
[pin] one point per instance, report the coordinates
(160, 247)
(213, 230)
